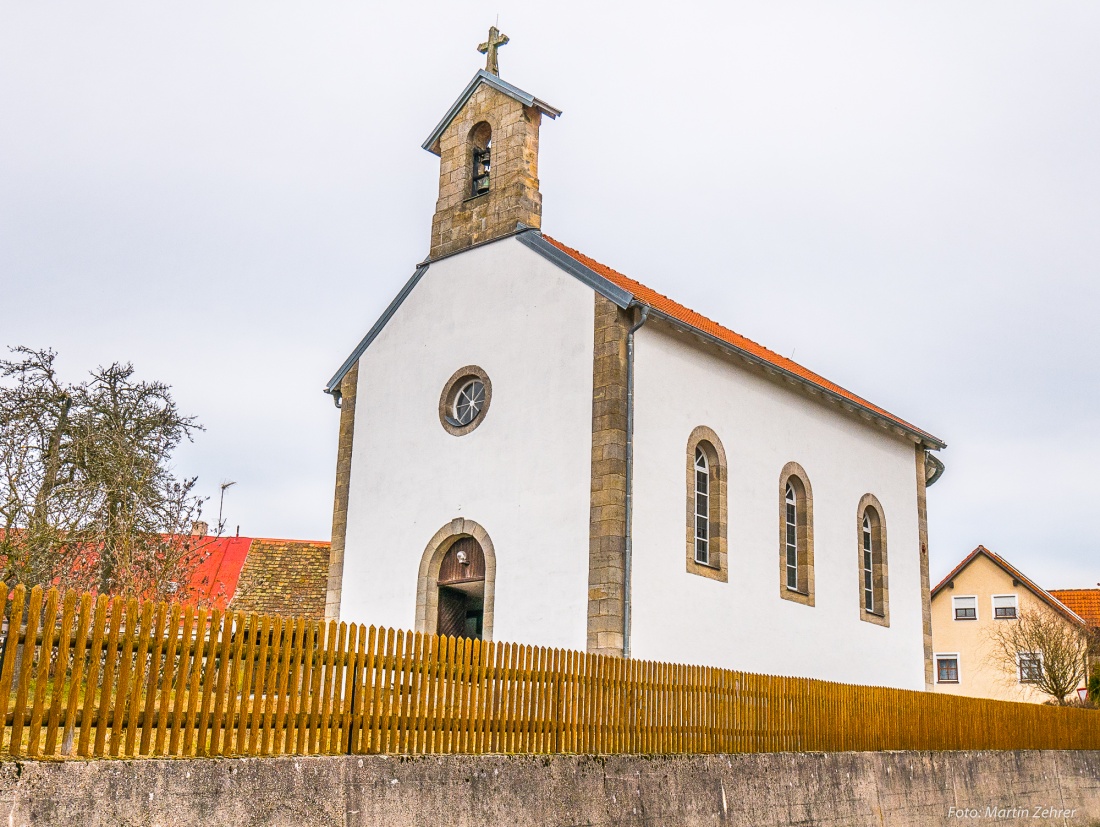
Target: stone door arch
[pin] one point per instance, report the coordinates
(458, 560)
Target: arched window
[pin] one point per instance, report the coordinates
(796, 539)
(791, 511)
(868, 567)
(481, 140)
(874, 598)
(702, 508)
(706, 505)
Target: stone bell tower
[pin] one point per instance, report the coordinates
(488, 148)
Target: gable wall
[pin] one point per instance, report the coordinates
(763, 425)
(980, 673)
(523, 475)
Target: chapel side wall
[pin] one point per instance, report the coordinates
(744, 623)
(523, 475)
(981, 673)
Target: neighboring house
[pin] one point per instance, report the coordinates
(981, 591)
(537, 448)
(265, 576)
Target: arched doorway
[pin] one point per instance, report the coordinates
(461, 583)
(456, 585)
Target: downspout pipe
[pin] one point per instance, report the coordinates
(628, 551)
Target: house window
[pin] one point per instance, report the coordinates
(874, 596)
(796, 540)
(947, 668)
(706, 505)
(1004, 606)
(1031, 666)
(702, 508)
(966, 608)
(481, 142)
(791, 510)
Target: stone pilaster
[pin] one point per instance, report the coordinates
(607, 526)
(925, 584)
(348, 387)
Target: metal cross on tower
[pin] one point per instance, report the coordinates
(489, 49)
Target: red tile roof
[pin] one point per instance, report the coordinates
(677, 311)
(216, 577)
(1085, 602)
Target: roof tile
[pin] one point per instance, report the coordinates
(1085, 602)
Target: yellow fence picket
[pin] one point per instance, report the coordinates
(154, 636)
(41, 681)
(11, 652)
(26, 666)
(178, 696)
(61, 668)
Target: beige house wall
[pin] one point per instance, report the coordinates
(981, 674)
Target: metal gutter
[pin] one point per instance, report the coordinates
(923, 438)
(502, 86)
(334, 383)
(628, 553)
(605, 287)
(937, 469)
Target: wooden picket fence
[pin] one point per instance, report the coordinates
(84, 677)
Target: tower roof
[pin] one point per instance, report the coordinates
(514, 92)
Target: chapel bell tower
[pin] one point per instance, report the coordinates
(488, 148)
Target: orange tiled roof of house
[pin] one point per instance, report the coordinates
(1085, 602)
(700, 322)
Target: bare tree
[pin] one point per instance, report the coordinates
(1044, 649)
(87, 495)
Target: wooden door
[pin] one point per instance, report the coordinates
(452, 612)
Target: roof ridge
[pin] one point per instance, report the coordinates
(1035, 588)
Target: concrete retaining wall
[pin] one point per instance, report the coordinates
(841, 789)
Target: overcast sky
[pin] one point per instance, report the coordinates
(904, 196)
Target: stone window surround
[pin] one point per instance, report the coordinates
(718, 569)
(450, 391)
(427, 581)
(869, 505)
(804, 499)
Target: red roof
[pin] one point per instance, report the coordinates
(677, 311)
(216, 577)
(1085, 602)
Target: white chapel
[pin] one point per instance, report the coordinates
(537, 448)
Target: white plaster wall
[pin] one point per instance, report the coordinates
(744, 624)
(523, 474)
